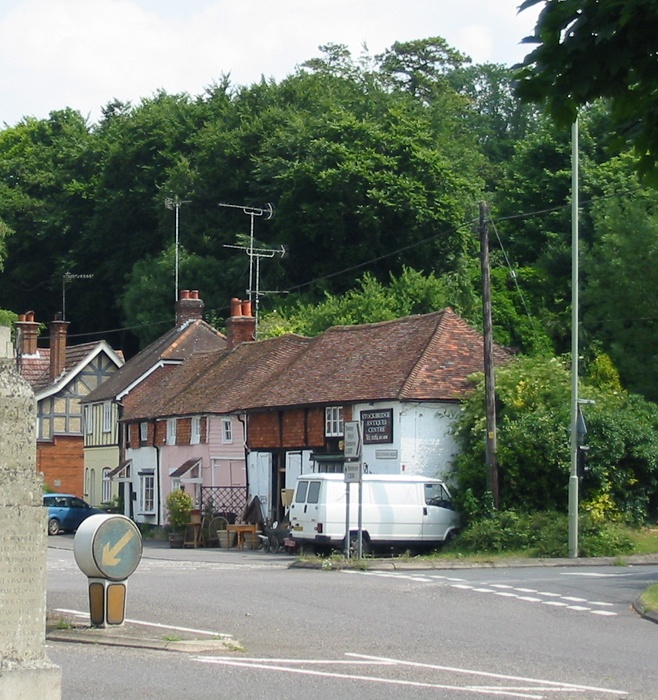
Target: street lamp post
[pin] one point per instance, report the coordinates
(573, 473)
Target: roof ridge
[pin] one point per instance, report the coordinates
(432, 342)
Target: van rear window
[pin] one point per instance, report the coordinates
(300, 496)
(313, 492)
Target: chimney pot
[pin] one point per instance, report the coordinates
(236, 307)
(194, 293)
(188, 307)
(246, 308)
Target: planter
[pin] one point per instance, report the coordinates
(195, 517)
(176, 540)
(225, 538)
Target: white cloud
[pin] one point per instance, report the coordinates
(84, 53)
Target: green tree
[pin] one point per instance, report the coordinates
(420, 67)
(588, 49)
(533, 399)
(44, 181)
(369, 302)
(622, 276)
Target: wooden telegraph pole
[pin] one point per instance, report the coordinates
(489, 383)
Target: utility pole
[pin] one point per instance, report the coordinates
(489, 380)
(175, 204)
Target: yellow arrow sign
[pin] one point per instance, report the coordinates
(109, 557)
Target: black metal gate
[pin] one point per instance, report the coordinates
(228, 501)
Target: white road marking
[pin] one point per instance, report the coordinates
(193, 630)
(594, 574)
(532, 688)
(267, 665)
(504, 590)
(554, 684)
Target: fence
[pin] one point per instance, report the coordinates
(228, 501)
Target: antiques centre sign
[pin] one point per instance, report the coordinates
(377, 426)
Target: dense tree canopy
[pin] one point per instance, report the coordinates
(374, 166)
(589, 49)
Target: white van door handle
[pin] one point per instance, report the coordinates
(424, 510)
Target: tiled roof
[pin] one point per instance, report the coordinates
(35, 369)
(174, 346)
(218, 382)
(416, 358)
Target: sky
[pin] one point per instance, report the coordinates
(85, 53)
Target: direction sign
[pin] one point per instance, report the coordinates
(352, 439)
(353, 472)
(108, 546)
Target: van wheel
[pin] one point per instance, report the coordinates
(366, 547)
(450, 537)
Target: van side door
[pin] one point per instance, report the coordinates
(439, 516)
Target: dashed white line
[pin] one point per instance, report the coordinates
(505, 590)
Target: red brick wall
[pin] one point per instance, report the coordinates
(62, 460)
(294, 428)
(264, 430)
(183, 431)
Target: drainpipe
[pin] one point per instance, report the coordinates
(159, 520)
(240, 417)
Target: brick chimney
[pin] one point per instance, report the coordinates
(27, 331)
(58, 331)
(241, 326)
(188, 307)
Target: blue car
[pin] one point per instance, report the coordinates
(66, 512)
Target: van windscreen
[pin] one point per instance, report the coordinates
(300, 496)
(436, 495)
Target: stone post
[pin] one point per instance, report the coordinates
(25, 672)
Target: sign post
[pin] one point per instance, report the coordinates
(108, 549)
(353, 473)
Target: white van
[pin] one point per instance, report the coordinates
(399, 511)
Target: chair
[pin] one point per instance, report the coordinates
(216, 533)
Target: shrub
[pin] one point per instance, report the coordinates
(179, 508)
(544, 534)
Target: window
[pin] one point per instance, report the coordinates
(147, 492)
(107, 416)
(313, 492)
(171, 431)
(106, 488)
(436, 495)
(308, 492)
(195, 434)
(333, 421)
(300, 496)
(89, 424)
(143, 432)
(227, 431)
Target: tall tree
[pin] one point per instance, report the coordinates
(588, 49)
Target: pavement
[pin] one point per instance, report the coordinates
(60, 628)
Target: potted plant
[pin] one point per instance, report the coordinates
(179, 508)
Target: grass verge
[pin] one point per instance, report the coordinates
(649, 599)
